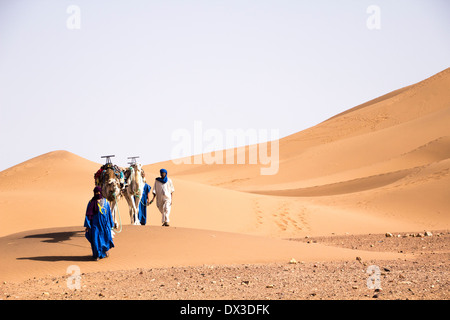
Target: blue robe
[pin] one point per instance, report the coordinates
(99, 234)
(142, 205)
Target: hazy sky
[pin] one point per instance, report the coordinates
(119, 77)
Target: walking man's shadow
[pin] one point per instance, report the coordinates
(57, 237)
(58, 258)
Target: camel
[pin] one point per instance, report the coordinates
(132, 192)
(109, 179)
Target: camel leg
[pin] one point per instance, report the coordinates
(138, 201)
(114, 213)
(136, 212)
(131, 207)
(133, 213)
(135, 219)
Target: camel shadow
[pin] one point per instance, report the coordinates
(56, 237)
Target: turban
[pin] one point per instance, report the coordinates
(162, 180)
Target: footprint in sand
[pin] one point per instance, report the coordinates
(257, 210)
(288, 217)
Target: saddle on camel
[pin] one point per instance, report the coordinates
(104, 173)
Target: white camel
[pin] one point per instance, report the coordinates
(133, 190)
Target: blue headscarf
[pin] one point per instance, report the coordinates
(92, 208)
(162, 180)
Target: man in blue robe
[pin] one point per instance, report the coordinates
(98, 223)
(143, 205)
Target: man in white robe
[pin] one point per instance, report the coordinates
(163, 191)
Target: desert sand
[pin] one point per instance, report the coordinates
(383, 166)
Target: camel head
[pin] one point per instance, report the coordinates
(111, 189)
(137, 167)
(114, 187)
(136, 178)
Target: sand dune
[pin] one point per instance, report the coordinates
(374, 132)
(380, 166)
(42, 252)
(50, 190)
(367, 160)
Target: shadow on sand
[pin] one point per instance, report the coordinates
(56, 237)
(59, 258)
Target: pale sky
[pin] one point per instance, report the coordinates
(125, 75)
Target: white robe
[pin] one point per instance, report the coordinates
(163, 193)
